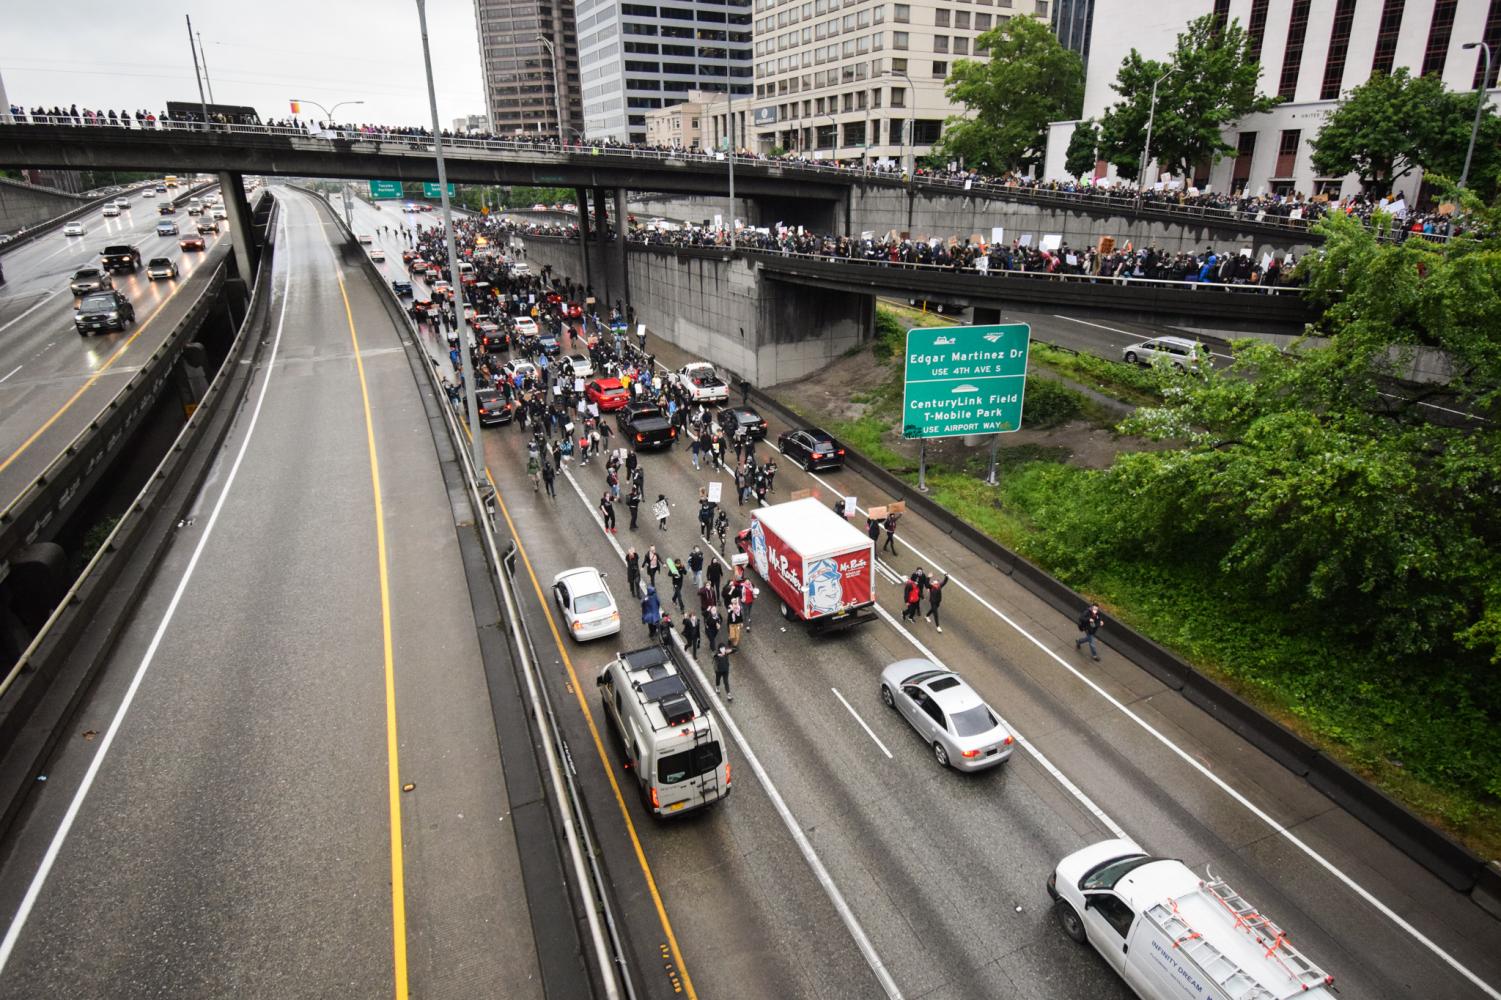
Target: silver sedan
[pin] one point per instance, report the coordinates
(947, 713)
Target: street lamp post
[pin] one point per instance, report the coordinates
(729, 98)
(833, 137)
(206, 78)
(201, 99)
(557, 90)
(1146, 147)
(456, 286)
(909, 151)
(1479, 105)
(327, 114)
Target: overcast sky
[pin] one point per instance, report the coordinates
(106, 54)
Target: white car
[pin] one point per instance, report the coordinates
(588, 608)
(73, 229)
(111, 210)
(1180, 352)
(578, 364)
(365, 239)
(702, 383)
(523, 368)
(526, 326)
(161, 267)
(148, 192)
(122, 202)
(220, 213)
(378, 255)
(947, 713)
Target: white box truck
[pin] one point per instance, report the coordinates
(821, 566)
(1172, 935)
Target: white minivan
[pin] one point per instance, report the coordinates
(672, 740)
(1180, 352)
(1172, 935)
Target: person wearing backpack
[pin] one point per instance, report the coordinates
(1089, 623)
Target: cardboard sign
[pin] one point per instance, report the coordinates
(876, 513)
(800, 494)
(716, 491)
(1051, 241)
(1107, 245)
(739, 559)
(1025, 241)
(897, 507)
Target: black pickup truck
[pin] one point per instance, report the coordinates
(121, 257)
(643, 425)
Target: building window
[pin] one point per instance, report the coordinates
(899, 39)
(1221, 14)
(1439, 30)
(1245, 151)
(1287, 152)
(940, 43)
(898, 65)
(1339, 47)
(875, 98)
(898, 97)
(982, 22)
(941, 18)
(1386, 37)
(940, 70)
(1256, 25)
(1492, 37)
(901, 13)
(961, 46)
(1292, 56)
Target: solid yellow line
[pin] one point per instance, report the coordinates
(140, 329)
(599, 747)
(393, 774)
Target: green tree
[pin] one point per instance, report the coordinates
(1382, 129)
(1450, 137)
(1083, 149)
(1210, 83)
(1029, 80)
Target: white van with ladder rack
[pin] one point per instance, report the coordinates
(1172, 935)
(672, 741)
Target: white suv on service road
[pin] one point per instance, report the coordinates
(1180, 352)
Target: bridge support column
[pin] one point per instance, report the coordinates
(237, 207)
(621, 232)
(603, 291)
(581, 196)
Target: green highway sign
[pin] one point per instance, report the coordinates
(430, 190)
(385, 189)
(965, 380)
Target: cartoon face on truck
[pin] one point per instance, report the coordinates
(758, 549)
(825, 587)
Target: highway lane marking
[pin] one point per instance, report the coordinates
(1133, 336)
(868, 731)
(794, 828)
(1204, 770)
(30, 309)
(599, 746)
(94, 378)
(393, 769)
(33, 891)
(11, 372)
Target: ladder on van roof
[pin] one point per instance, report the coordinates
(1238, 982)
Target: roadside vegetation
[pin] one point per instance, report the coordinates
(1312, 540)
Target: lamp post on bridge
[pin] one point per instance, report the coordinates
(328, 115)
(1146, 147)
(557, 90)
(1479, 105)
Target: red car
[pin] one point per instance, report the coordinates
(192, 243)
(575, 311)
(607, 393)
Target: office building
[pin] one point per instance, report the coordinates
(471, 123)
(525, 85)
(1311, 53)
(677, 125)
(1071, 21)
(634, 57)
(864, 78)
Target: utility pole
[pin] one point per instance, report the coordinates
(197, 75)
(557, 89)
(455, 286)
(206, 78)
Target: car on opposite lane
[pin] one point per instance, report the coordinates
(736, 418)
(586, 603)
(90, 279)
(607, 393)
(947, 713)
(74, 229)
(106, 310)
(161, 267)
(811, 448)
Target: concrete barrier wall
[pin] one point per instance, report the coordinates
(25, 205)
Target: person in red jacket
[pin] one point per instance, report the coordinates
(912, 597)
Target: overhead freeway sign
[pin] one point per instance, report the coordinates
(385, 189)
(965, 380)
(430, 189)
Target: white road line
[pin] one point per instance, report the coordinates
(794, 828)
(18, 923)
(29, 310)
(1128, 333)
(12, 372)
(1223, 785)
(868, 731)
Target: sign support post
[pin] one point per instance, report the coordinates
(995, 447)
(922, 466)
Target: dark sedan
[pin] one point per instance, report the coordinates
(493, 409)
(403, 289)
(811, 448)
(643, 425)
(737, 418)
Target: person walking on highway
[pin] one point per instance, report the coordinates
(714, 574)
(722, 670)
(735, 618)
(705, 516)
(632, 571)
(1089, 623)
(935, 598)
(548, 476)
(633, 502)
(651, 611)
(607, 510)
(661, 509)
(747, 600)
(890, 545)
(691, 628)
(712, 624)
(651, 563)
(911, 598)
(696, 565)
(677, 573)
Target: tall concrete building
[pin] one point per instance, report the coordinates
(525, 84)
(1311, 52)
(1071, 22)
(852, 78)
(634, 57)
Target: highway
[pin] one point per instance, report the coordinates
(54, 381)
(848, 865)
(287, 781)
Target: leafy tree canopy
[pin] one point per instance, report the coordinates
(1029, 80)
(1083, 149)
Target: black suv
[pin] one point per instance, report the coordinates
(811, 448)
(643, 425)
(120, 257)
(108, 310)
